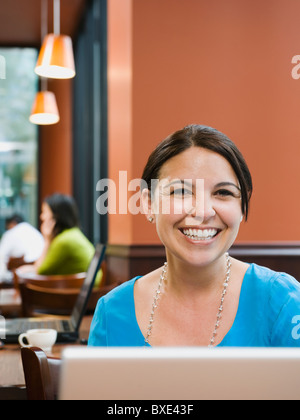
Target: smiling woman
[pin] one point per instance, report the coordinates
(201, 296)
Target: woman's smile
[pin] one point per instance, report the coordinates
(202, 235)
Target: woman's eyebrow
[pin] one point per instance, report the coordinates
(188, 183)
(225, 184)
(184, 182)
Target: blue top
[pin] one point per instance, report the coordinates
(268, 314)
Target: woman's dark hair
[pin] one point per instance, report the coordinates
(207, 138)
(65, 212)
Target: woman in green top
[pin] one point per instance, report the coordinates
(66, 250)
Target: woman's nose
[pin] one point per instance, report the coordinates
(202, 209)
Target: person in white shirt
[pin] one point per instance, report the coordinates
(20, 240)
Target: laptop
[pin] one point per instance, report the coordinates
(67, 328)
(192, 373)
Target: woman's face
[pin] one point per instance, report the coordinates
(197, 206)
(46, 213)
(48, 221)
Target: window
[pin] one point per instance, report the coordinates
(90, 119)
(18, 137)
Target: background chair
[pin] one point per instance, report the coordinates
(38, 301)
(41, 374)
(56, 295)
(44, 295)
(73, 281)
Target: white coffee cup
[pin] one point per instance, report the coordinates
(42, 338)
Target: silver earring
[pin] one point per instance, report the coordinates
(150, 219)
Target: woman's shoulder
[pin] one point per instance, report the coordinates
(68, 234)
(266, 275)
(120, 292)
(277, 287)
(71, 238)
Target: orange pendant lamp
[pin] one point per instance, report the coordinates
(56, 58)
(44, 110)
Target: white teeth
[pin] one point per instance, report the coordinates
(199, 234)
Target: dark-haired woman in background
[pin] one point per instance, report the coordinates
(67, 250)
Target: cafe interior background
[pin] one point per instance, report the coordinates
(145, 68)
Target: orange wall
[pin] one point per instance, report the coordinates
(120, 107)
(221, 63)
(56, 145)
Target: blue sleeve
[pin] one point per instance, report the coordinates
(285, 306)
(98, 332)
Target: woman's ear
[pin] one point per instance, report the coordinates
(147, 205)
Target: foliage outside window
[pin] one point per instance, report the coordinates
(18, 137)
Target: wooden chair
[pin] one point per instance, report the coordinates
(38, 301)
(41, 374)
(73, 281)
(44, 295)
(56, 295)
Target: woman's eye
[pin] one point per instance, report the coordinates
(225, 193)
(181, 192)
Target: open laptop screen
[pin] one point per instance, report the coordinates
(162, 373)
(86, 289)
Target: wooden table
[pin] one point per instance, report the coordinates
(10, 303)
(6, 281)
(12, 382)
